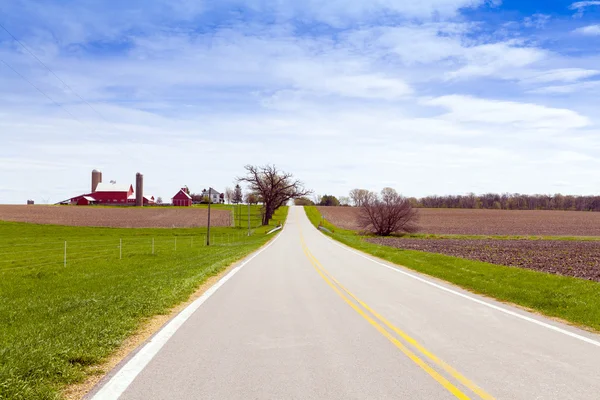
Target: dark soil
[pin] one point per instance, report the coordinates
(580, 259)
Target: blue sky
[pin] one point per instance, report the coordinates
(429, 97)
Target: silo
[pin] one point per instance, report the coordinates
(96, 179)
(139, 190)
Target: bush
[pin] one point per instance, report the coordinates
(387, 214)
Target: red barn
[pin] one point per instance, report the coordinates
(182, 199)
(106, 193)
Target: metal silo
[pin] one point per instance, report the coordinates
(96, 179)
(139, 190)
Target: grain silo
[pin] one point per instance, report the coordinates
(139, 190)
(96, 179)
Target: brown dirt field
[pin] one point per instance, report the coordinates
(580, 259)
(126, 217)
(487, 222)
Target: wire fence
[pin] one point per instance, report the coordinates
(29, 253)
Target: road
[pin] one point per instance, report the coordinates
(308, 318)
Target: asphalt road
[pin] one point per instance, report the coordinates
(308, 318)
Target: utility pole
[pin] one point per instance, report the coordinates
(208, 225)
(248, 218)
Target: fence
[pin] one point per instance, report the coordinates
(31, 253)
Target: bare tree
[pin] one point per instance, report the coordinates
(159, 200)
(228, 195)
(344, 200)
(359, 196)
(387, 214)
(274, 187)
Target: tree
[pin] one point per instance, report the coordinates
(327, 200)
(274, 187)
(303, 201)
(229, 195)
(159, 200)
(238, 197)
(344, 200)
(358, 196)
(251, 198)
(387, 214)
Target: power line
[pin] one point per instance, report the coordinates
(52, 72)
(41, 91)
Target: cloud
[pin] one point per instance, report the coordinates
(341, 12)
(580, 6)
(563, 75)
(469, 109)
(496, 60)
(590, 30)
(567, 89)
(536, 21)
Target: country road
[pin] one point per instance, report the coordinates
(308, 318)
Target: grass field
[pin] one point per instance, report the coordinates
(574, 300)
(56, 321)
(239, 213)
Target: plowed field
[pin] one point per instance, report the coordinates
(580, 259)
(126, 217)
(487, 222)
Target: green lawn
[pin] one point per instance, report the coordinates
(574, 300)
(56, 320)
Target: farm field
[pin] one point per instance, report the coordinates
(118, 217)
(60, 319)
(487, 222)
(579, 259)
(479, 265)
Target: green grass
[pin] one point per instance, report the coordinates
(240, 214)
(571, 299)
(55, 321)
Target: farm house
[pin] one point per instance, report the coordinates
(182, 198)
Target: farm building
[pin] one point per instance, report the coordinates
(182, 198)
(109, 194)
(215, 196)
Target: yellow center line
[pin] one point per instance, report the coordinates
(449, 369)
(433, 373)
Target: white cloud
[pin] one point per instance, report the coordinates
(536, 21)
(590, 30)
(496, 59)
(520, 115)
(563, 75)
(580, 6)
(579, 87)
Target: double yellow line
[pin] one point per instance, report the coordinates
(379, 322)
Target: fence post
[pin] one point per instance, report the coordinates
(152, 246)
(120, 249)
(65, 259)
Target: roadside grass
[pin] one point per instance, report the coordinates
(571, 299)
(56, 321)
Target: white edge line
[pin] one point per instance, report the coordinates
(493, 306)
(115, 387)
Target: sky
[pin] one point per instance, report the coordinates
(427, 97)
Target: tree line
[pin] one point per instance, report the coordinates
(491, 201)
(511, 201)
